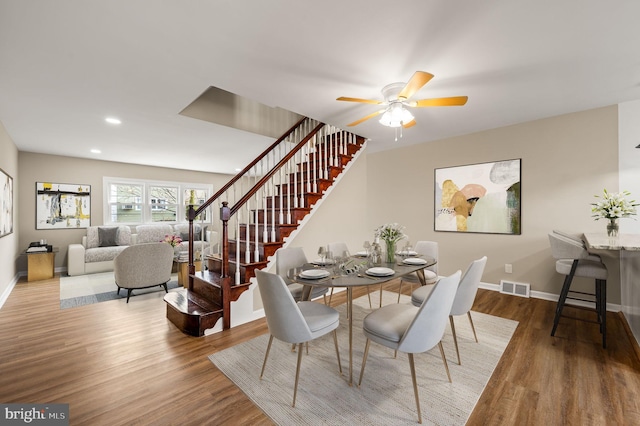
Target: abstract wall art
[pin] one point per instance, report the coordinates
(62, 205)
(6, 202)
(481, 198)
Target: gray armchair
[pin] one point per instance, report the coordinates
(143, 266)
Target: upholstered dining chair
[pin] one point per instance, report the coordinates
(428, 249)
(465, 296)
(291, 322)
(412, 329)
(294, 257)
(574, 260)
(340, 249)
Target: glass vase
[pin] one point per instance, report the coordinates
(612, 228)
(391, 251)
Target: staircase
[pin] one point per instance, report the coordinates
(261, 206)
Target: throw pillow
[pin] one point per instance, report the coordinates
(185, 236)
(107, 237)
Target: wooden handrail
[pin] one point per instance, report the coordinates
(250, 193)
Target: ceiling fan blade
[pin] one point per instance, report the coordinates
(419, 79)
(364, 101)
(355, 123)
(434, 102)
(409, 124)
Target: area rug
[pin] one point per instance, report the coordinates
(386, 396)
(94, 288)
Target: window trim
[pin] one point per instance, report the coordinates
(147, 208)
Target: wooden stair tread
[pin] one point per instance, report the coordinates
(190, 303)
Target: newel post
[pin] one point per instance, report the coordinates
(225, 215)
(192, 267)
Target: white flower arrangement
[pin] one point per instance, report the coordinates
(614, 206)
(391, 232)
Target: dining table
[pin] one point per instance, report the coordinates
(356, 272)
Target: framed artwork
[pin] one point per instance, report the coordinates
(62, 205)
(6, 202)
(481, 198)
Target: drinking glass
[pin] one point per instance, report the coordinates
(367, 247)
(322, 252)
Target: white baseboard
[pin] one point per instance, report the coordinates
(552, 297)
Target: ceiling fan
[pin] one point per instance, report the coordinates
(397, 99)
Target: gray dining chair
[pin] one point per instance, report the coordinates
(427, 249)
(411, 329)
(294, 323)
(574, 260)
(294, 257)
(465, 296)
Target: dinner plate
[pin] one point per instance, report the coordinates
(314, 274)
(415, 261)
(362, 254)
(320, 262)
(407, 253)
(380, 272)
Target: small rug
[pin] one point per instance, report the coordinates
(94, 288)
(386, 396)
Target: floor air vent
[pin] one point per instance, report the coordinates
(517, 289)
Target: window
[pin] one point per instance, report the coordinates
(129, 201)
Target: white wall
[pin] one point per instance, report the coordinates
(9, 251)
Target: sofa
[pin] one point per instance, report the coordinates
(103, 243)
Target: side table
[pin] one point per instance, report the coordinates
(40, 265)
(183, 270)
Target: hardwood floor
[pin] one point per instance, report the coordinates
(118, 364)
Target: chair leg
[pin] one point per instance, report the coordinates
(400, 290)
(118, 291)
(364, 361)
(335, 341)
(128, 294)
(455, 338)
(563, 296)
(380, 295)
(415, 385)
(295, 387)
(603, 311)
(266, 355)
(472, 327)
(444, 359)
(369, 296)
(330, 296)
(165, 287)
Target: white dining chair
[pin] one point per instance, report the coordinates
(294, 257)
(294, 323)
(465, 296)
(411, 329)
(427, 249)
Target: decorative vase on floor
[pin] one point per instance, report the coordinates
(391, 251)
(612, 228)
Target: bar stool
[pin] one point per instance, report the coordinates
(574, 260)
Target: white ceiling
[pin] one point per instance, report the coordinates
(67, 64)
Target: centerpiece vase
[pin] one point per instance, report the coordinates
(612, 228)
(391, 251)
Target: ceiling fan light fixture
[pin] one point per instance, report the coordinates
(395, 116)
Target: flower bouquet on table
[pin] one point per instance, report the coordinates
(390, 233)
(613, 206)
(172, 240)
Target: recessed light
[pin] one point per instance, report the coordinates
(112, 120)
(238, 170)
(96, 151)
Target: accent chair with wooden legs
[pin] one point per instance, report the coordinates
(294, 323)
(412, 329)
